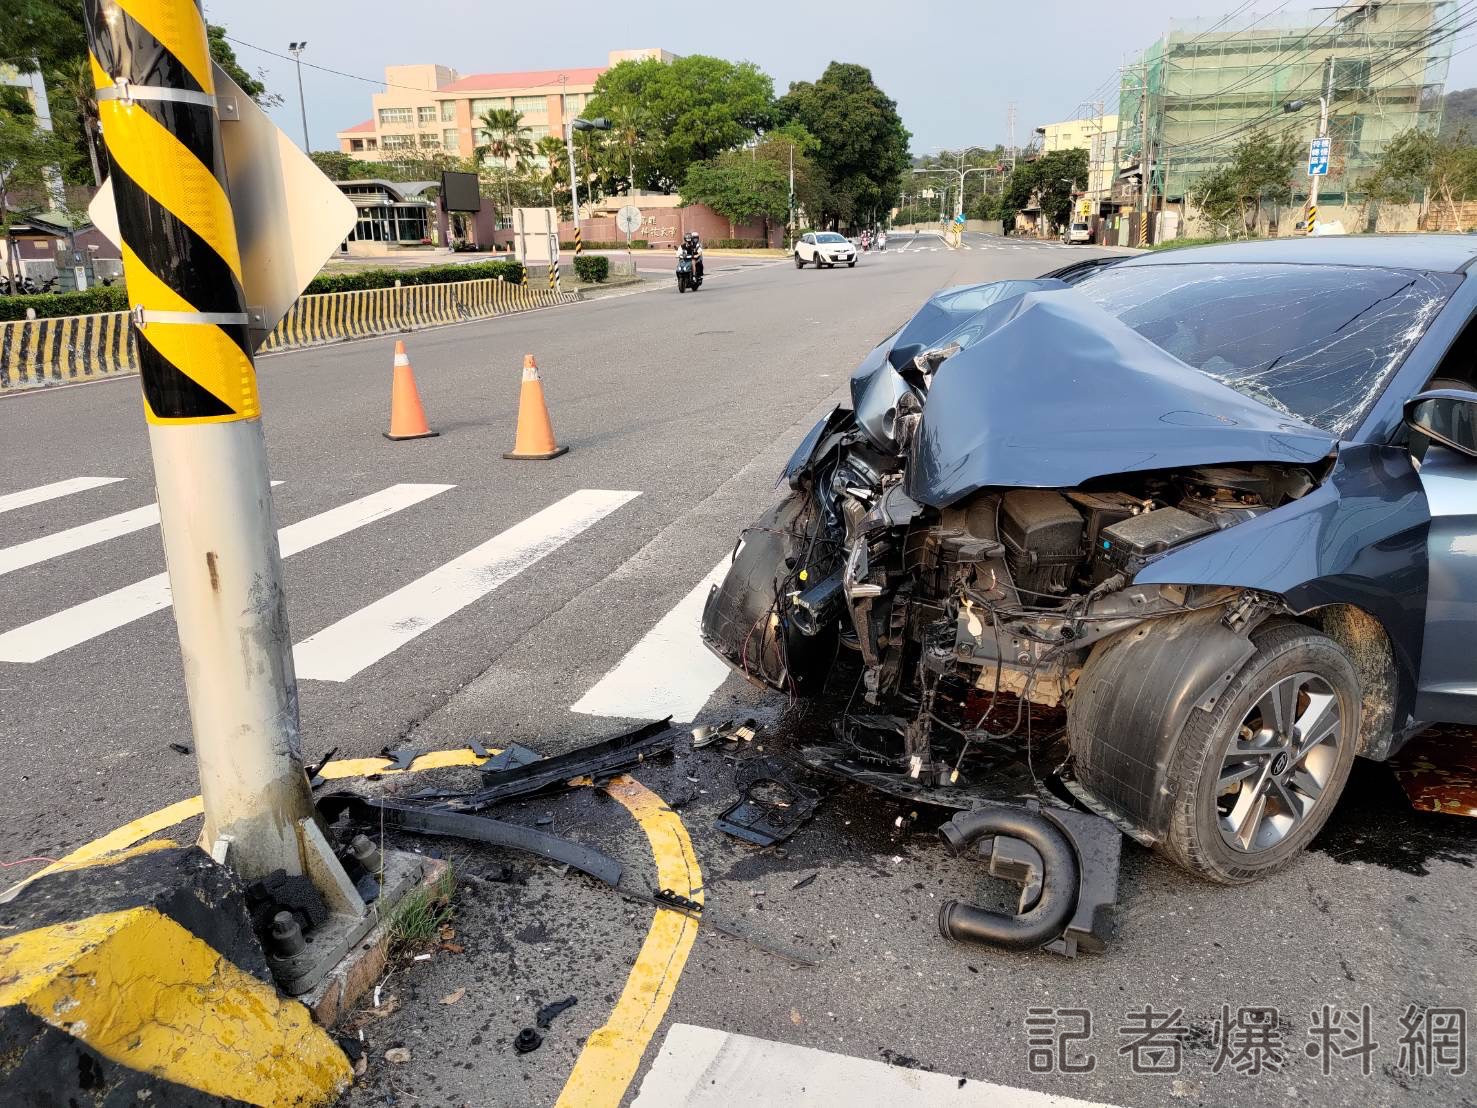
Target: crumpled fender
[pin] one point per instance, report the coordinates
(817, 443)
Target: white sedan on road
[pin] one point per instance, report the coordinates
(824, 248)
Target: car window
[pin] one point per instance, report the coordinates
(807, 238)
(1319, 342)
(830, 236)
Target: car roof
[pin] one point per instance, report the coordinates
(1442, 253)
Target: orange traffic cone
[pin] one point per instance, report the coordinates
(407, 417)
(535, 438)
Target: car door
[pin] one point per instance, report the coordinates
(807, 248)
(1448, 680)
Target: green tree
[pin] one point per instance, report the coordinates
(741, 187)
(688, 110)
(1259, 172)
(1420, 167)
(339, 166)
(1047, 183)
(508, 143)
(555, 176)
(26, 152)
(862, 143)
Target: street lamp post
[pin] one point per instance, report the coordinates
(296, 49)
(570, 127)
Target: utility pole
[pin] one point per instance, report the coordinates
(1310, 218)
(1010, 132)
(210, 461)
(1146, 165)
(296, 49)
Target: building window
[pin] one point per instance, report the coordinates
(450, 140)
(536, 133)
(391, 116)
(356, 144)
(483, 105)
(448, 111)
(574, 103)
(431, 141)
(371, 144)
(531, 105)
(425, 114)
(399, 142)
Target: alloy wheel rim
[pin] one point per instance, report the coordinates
(1276, 767)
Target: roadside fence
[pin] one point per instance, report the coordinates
(64, 349)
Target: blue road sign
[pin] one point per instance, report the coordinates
(1318, 158)
(959, 219)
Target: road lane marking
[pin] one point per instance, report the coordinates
(359, 640)
(77, 538)
(72, 626)
(40, 493)
(700, 1067)
(612, 1054)
(669, 672)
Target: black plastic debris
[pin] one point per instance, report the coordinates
(180, 748)
(400, 758)
(547, 1013)
(376, 812)
(805, 881)
(315, 771)
(1066, 863)
(772, 802)
(528, 1040)
(599, 761)
(729, 731)
(513, 756)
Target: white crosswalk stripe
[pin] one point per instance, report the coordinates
(72, 626)
(359, 640)
(77, 538)
(41, 493)
(669, 672)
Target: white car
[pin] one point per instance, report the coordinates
(1077, 231)
(824, 248)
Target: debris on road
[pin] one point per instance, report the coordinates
(462, 825)
(180, 748)
(454, 996)
(734, 929)
(598, 761)
(1066, 863)
(528, 1040)
(772, 802)
(731, 731)
(804, 881)
(547, 1013)
(400, 758)
(511, 757)
(397, 1055)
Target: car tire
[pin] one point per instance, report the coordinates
(1203, 815)
(799, 264)
(851, 264)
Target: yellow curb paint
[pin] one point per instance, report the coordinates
(612, 1054)
(245, 1042)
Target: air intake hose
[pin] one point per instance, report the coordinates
(1045, 920)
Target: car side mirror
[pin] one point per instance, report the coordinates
(1447, 416)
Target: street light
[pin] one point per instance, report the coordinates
(598, 124)
(1291, 106)
(296, 50)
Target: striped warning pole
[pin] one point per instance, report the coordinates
(579, 241)
(554, 261)
(1310, 218)
(156, 97)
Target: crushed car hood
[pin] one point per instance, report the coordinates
(1049, 391)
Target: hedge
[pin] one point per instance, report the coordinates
(592, 267)
(738, 244)
(99, 298)
(114, 298)
(510, 271)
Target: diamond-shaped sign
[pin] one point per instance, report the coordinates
(290, 218)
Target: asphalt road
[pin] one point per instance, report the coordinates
(693, 403)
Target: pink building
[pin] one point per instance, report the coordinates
(432, 107)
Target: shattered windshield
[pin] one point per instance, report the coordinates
(1318, 342)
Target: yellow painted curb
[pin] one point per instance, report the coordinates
(612, 1055)
(201, 1022)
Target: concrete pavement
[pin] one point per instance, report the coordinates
(678, 413)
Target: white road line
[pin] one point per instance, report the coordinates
(52, 634)
(698, 1067)
(669, 672)
(77, 538)
(26, 497)
(357, 641)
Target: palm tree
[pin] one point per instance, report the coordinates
(508, 141)
(627, 136)
(551, 149)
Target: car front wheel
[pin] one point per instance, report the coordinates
(1260, 773)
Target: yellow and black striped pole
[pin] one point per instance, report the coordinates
(579, 242)
(156, 98)
(1310, 218)
(554, 260)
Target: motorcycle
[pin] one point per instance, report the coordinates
(687, 277)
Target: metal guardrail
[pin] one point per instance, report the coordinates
(68, 349)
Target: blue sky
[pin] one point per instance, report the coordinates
(953, 67)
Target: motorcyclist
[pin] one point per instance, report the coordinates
(692, 247)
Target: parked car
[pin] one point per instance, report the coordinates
(1216, 509)
(1077, 231)
(824, 248)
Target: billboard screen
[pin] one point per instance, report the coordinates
(459, 192)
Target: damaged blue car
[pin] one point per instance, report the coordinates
(1214, 508)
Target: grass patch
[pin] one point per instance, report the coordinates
(419, 916)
